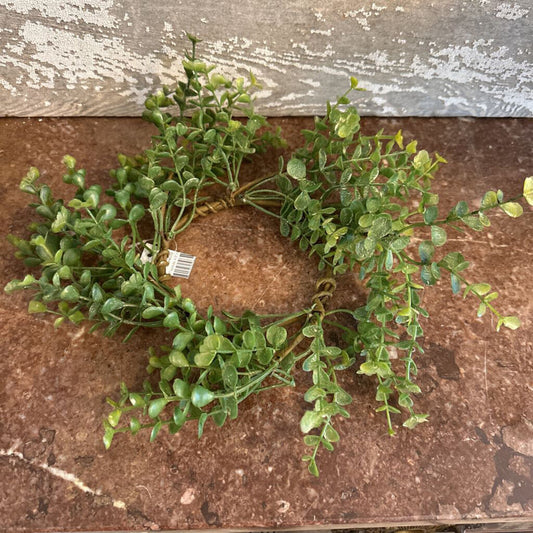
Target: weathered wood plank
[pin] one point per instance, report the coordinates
(101, 57)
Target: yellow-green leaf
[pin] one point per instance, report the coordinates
(513, 209)
(36, 307)
(399, 139)
(528, 190)
(511, 322)
(411, 147)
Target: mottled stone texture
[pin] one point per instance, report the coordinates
(471, 462)
(447, 57)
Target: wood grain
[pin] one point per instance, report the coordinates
(102, 57)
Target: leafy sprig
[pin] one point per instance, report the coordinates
(355, 202)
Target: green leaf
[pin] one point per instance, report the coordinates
(152, 312)
(296, 169)
(172, 320)
(219, 418)
(230, 376)
(461, 209)
(348, 124)
(156, 406)
(111, 305)
(474, 222)
(414, 420)
(181, 340)
(397, 245)
(490, 199)
(389, 260)
(136, 213)
(310, 420)
(202, 420)
(313, 468)
(342, 397)
(205, 358)
(311, 331)
(135, 425)
(381, 226)
(314, 393)
(528, 190)
(219, 326)
(456, 284)
(248, 339)
(69, 162)
(438, 235)
(411, 147)
(27, 182)
(366, 220)
(398, 138)
(511, 322)
(426, 251)
(70, 294)
(276, 336)
(137, 400)
(369, 368)
(430, 214)
(179, 417)
(181, 388)
(168, 373)
(284, 228)
(265, 355)
(60, 221)
(155, 431)
(201, 396)
(453, 261)
(106, 212)
(302, 201)
(513, 209)
(480, 288)
(36, 307)
(311, 440)
(421, 160)
(108, 437)
(114, 417)
(331, 434)
(178, 359)
(157, 198)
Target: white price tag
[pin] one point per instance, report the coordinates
(179, 265)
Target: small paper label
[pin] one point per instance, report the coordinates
(179, 265)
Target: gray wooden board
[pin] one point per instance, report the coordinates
(102, 57)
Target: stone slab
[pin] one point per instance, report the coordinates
(472, 462)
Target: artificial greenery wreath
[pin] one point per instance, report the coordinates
(344, 197)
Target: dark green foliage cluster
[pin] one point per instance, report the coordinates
(355, 202)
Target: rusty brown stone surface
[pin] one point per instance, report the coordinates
(471, 462)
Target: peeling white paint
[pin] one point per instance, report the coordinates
(311, 82)
(464, 64)
(319, 16)
(363, 15)
(295, 96)
(328, 33)
(511, 12)
(8, 87)
(94, 12)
